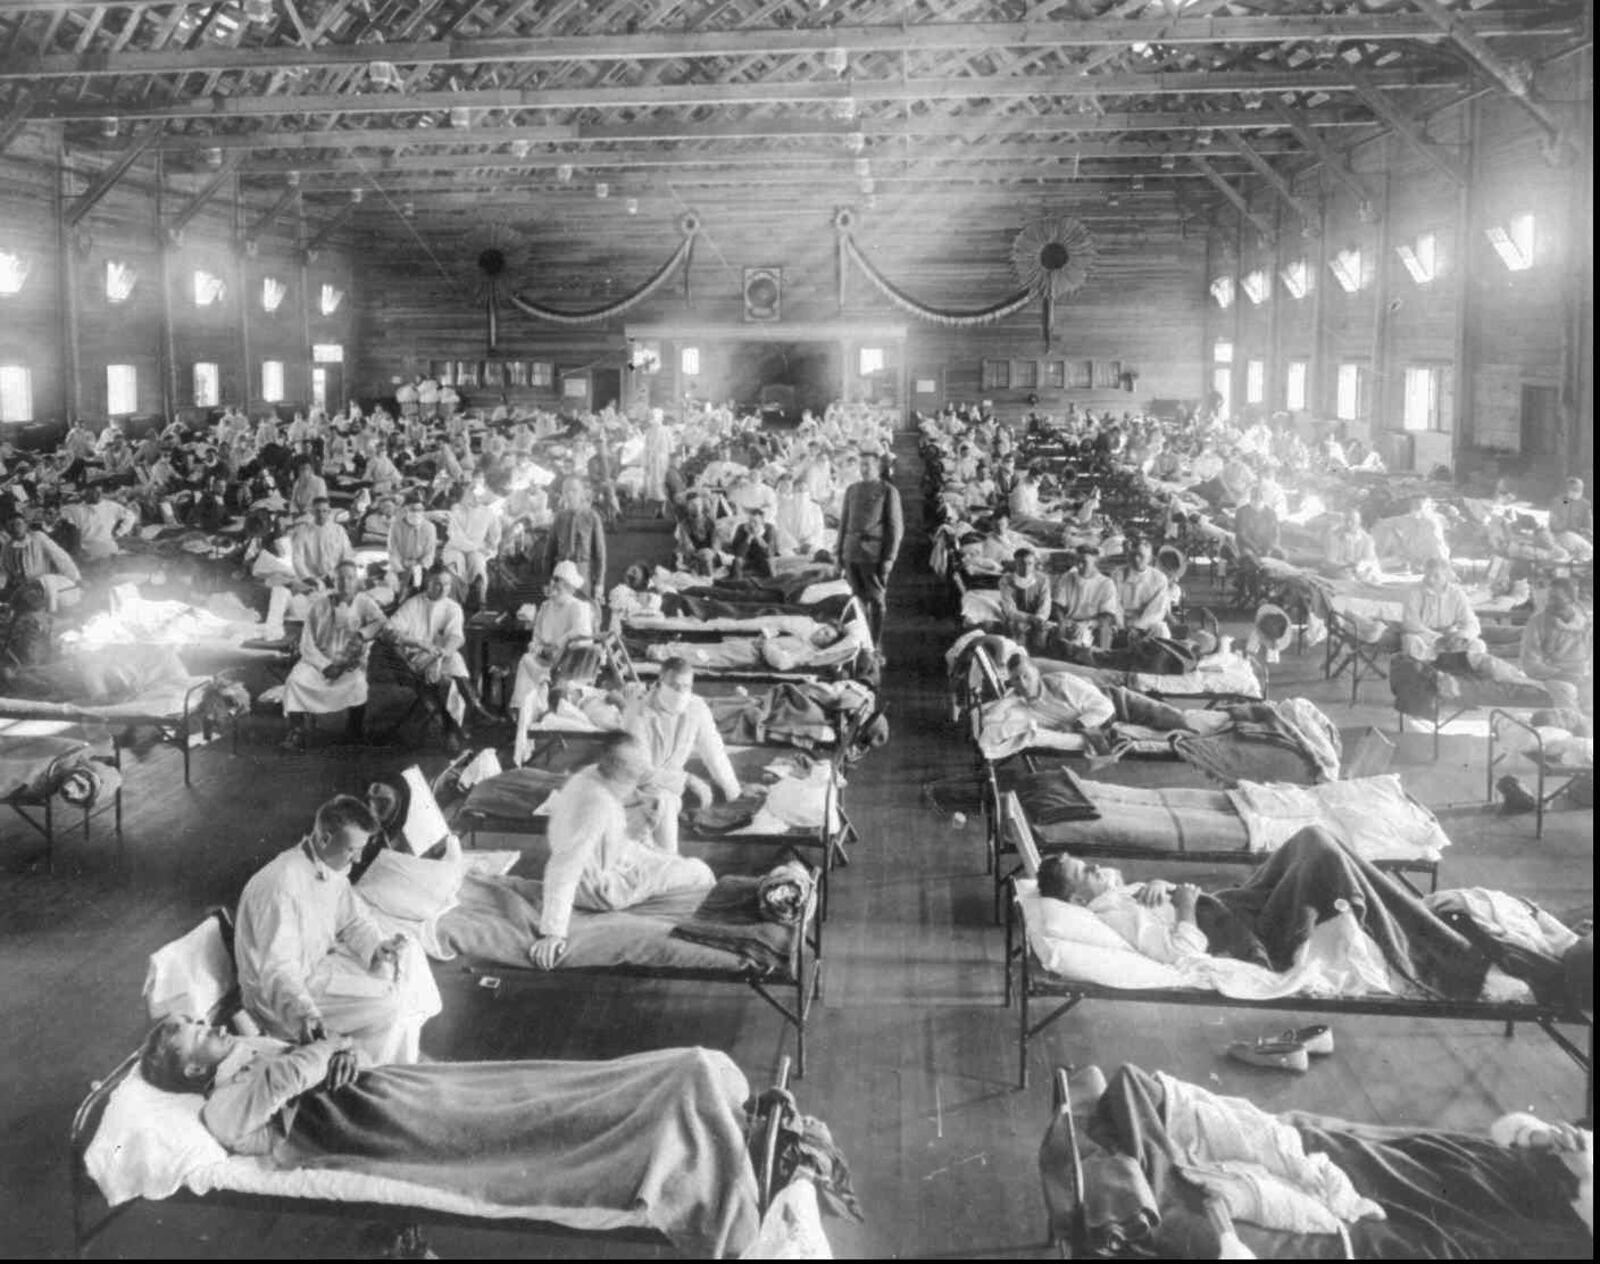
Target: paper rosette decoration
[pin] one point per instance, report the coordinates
(498, 252)
(1051, 258)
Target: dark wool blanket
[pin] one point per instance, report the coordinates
(655, 1139)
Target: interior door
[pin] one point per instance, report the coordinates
(605, 387)
(927, 388)
(1541, 437)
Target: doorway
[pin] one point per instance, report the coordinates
(605, 387)
(1542, 443)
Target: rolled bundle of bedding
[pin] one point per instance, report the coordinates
(87, 784)
(782, 894)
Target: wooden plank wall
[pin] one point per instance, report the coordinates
(35, 329)
(1141, 306)
(1492, 331)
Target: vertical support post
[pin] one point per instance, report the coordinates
(1317, 370)
(1577, 369)
(305, 304)
(1236, 370)
(1274, 385)
(240, 272)
(1470, 253)
(1380, 305)
(168, 353)
(67, 279)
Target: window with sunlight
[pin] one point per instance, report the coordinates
(689, 361)
(16, 393)
(1295, 378)
(1297, 278)
(1347, 270)
(122, 389)
(1255, 381)
(1421, 258)
(207, 385)
(872, 361)
(1421, 407)
(208, 288)
(1347, 393)
(1222, 351)
(1513, 241)
(1222, 291)
(1256, 286)
(272, 381)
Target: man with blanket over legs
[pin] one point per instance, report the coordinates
(594, 864)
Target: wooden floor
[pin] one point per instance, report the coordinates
(912, 1060)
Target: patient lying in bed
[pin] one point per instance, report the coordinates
(658, 1133)
(1277, 915)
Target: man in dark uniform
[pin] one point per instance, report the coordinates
(871, 527)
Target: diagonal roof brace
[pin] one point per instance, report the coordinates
(270, 215)
(1335, 162)
(333, 225)
(107, 179)
(1304, 209)
(210, 190)
(1407, 127)
(1261, 223)
(1515, 80)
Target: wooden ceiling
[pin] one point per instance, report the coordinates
(417, 121)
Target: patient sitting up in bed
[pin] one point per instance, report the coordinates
(673, 726)
(1313, 879)
(594, 864)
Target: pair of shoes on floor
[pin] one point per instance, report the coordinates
(1515, 797)
(1289, 1051)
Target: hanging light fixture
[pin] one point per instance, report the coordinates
(384, 74)
(108, 126)
(520, 148)
(408, 210)
(564, 173)
(633, 206)
(460, 116)
(836, 60)
(863, 167)
(869, 185)
(844, 109)
(356, 195)
(602, 190)
(258, 12)
(855, 142)
(213, 157)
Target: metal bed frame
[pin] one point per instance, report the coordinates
(1545, 797)
(776, 1113)
(39, 811)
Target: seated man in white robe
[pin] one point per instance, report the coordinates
(429, 630)
(313, 963)
(1144, 593)
(331, 674)
(801, 529)
(674, 726)
(1437, 618)
(563, 617)
(99, 523)
(320, 546)
(594, 865)
(1087, 610)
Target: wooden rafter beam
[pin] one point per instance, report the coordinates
(1303, 124)
(744, 42)
(15, 119)
(1516, 82)
(1408, 127)
(107, 179)
(1040, 159)
(957, 87)
(1262, 224)
(1275, 180)
(207, 191)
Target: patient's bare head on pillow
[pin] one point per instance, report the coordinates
(1072, 881)
(181, 1055)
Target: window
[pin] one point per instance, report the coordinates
(689, 361)
(1025, 374)
(327, 353)
(1513, 242)
(273, 292)
(16, 393)
(207, 385)
(1421, 258)
(997, 375)
(1421, 409)
(1256, 286)
(871, 359)
(1222, 351)
(1294, 385)
(120, 280)
(1107, 374)
(329, 299)
(543, 373)
(1222, 384)
(319, 388)
(208, 288)
(1222, 291)
(1348, 392)
(122, 389)
(272, 381)
(1297, 278)
(1055, 374)
(1082, 372)
(1255, 381)
(1346, 266)
(14, 271)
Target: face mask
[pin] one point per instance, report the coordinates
(673, 701)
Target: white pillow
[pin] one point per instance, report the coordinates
(148, 1142)
(411, 888)
(191, 975)
(1100, 956)
(1056, 919)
